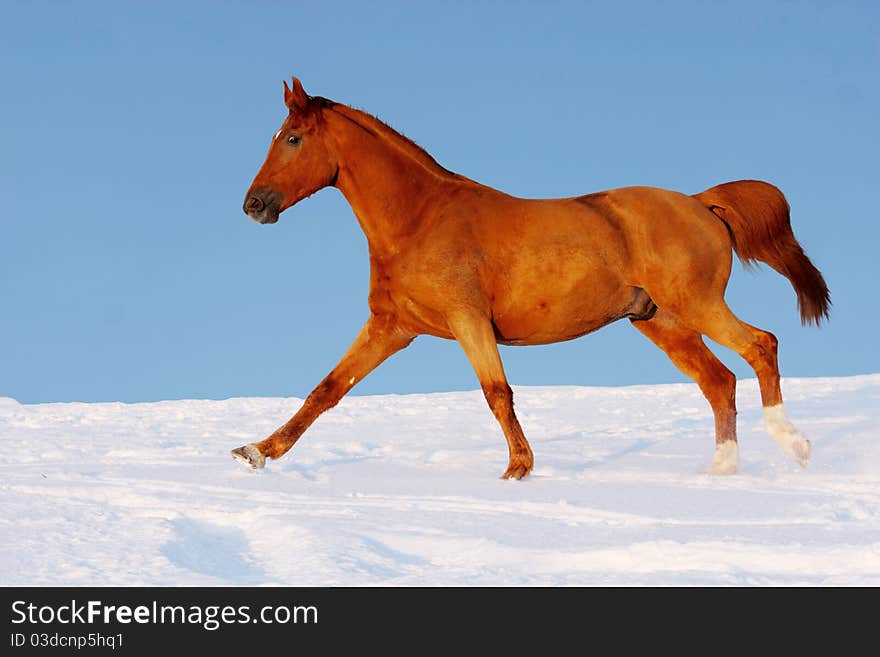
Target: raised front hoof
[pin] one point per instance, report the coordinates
(726, 459)
(250, 456)
(518, 470)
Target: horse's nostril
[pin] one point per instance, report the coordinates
(254, 204)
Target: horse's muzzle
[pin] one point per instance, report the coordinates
(262, 205)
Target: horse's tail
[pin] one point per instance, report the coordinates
(757, 216)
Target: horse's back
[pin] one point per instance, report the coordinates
(625, 229)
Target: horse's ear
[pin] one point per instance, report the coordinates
(295, 97)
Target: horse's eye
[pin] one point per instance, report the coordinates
(294, 140)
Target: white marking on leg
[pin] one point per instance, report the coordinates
(725, 461)
(351, 381)
(786, 434)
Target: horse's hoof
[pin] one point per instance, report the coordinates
(250, 455)
(517, 471)
(787, 435)
(800, 450)
(725, 461)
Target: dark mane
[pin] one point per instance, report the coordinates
(379, 128)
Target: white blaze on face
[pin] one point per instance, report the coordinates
(276, 135)
(786, 434)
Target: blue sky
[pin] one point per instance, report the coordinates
(129, 133)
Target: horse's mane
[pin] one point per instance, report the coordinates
(380, 129)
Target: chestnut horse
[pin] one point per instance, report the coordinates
(452, 258)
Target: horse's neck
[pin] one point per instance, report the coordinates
(385, 183)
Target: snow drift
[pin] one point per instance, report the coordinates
(405, 490)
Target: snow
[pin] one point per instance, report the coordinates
(405, 490)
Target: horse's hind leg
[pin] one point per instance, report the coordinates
(689, 354)
(762, 356)
(758, 348)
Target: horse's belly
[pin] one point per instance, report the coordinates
(543, 318)
(548, 333)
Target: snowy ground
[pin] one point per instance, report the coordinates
(405, 490)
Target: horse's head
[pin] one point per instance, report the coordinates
(299, 162)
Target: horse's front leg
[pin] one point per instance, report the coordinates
(476, 335)
(379, 338)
